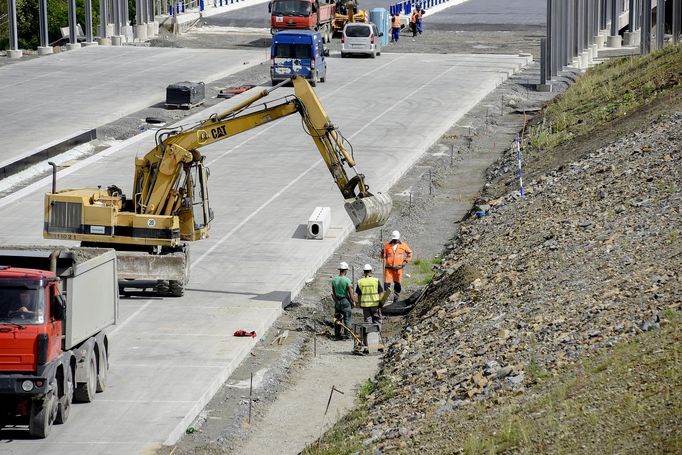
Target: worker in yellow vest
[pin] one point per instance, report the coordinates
(369, 295)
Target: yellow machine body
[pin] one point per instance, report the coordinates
(170, 200)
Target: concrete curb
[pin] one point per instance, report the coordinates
(44, 152)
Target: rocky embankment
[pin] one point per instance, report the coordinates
(591, 256)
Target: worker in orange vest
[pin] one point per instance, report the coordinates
(413, 22)
(395, 27)
(396, 255)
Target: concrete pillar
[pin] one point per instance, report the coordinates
(677, 20)
(141, 32)
(631, 15)
(140, 27)
(614, 39)
(645, 44)
(660, 23)
(117, 38)
(117, 17)
(569, 32)
(587, 27)
(546, 62)
(44, 48)
(103, 13)
(88, 23)
(544, 85)
(575, 34)
(557, 61)
(579, 27)
(73, 25)
(126, 28)
(154, 26)
(13, 51)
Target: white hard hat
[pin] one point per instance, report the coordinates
(343, 266)
(367, 268)
(395, 235)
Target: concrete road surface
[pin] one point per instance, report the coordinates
(169, 355)
(50, 98)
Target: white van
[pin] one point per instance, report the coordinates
(361, 38)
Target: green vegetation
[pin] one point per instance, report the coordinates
(606, 92)
(421, 272)
(57, 10)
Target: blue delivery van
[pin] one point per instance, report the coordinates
(298, 52)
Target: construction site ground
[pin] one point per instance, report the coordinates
(292, 382)
(256, 286)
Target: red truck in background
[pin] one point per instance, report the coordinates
(54, 307)
(302, 15)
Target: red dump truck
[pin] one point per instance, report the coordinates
(54, 306)
(302, 15)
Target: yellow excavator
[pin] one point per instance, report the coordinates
(347, 11)
(170, 203)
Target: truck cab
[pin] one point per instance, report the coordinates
(30, 319)
(302, 15)
(300, 53)
(54, 307)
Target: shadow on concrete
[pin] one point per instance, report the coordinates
(14, 433)
(273, 296)
(300, 232)
(258, 43)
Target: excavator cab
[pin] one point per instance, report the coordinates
(195, 214)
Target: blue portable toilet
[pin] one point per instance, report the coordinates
(380, 18)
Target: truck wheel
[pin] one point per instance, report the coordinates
(103, 370)
(176, 288)
(85, 391)
(43, 413)
(162, 287)
(64, 405)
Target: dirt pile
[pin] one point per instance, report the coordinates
(589, 257)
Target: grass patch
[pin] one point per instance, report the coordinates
(607, 92)
(421, 272)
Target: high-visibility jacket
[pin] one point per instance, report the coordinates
(394, 260)
(369, 291)
(413, 18)
(395, 21)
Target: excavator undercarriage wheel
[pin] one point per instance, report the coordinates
(176, 288)
(170, 288)
(162, 287)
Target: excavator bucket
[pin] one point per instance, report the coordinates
(369, 212)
